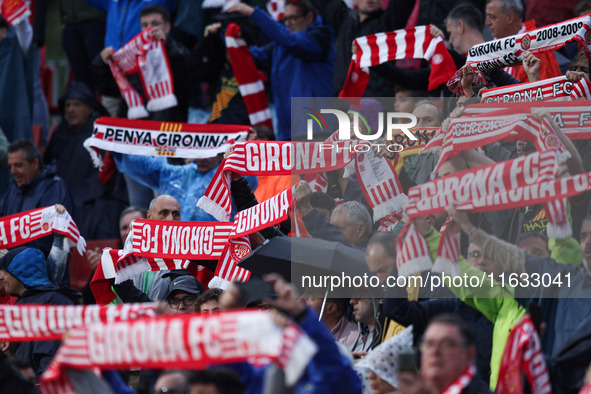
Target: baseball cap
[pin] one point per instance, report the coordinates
(185, 283)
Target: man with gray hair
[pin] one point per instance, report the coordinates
(504, 18)
(350, 222)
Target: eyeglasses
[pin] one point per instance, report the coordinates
(292, 18)
(444, 345)
(475, 255)
(187, 300)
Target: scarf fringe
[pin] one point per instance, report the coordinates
(411, 267)
(215, 210)
(94, 155)
(560, 231)
(161, 103)
(394, 204)
(446, 266)
(132, 270)
(137, 113)
(219, 283)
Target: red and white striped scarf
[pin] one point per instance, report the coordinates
(523, 353)
(546, 89)
(503, 185)
(227, 268)
(263, 215)
(155, 138)
(412, 43)
(470, 132)
(389, 222)
(557, 215)
(271, 158)
(24, 323)
(24, 227)
(169, 342)
(251, 82)
(380, 184)
(458, 385)
(581, 90)
(508, 51)
(14, 11)
(163, 244)
(574, 117)
(448, 251)
(147, 56)
(412, 251)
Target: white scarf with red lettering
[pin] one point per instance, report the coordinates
(458, 385)
(545, 89)
(251, 82)
(24, 227)
(24, 323)
(523, 353)
(14, 11)
(155, 138)
(508, 51)
(147, 56)
(412, 43)
(227, 268)
(412, 251)
(171, 341)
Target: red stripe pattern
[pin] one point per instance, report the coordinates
(251, 82)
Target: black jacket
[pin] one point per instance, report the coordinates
(40, 353)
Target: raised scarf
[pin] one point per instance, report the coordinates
(251, 82)
(189, 341)
(508, 51)
(523, 353)
(154, 138)
(545, 89)
(27, 226)
(413, 43)
(147, 56)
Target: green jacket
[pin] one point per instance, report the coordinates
(496, 303)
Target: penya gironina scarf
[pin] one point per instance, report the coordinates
(24, 227)
(523, 354)
(14, 11)
(155, 138)
(508, 51)
(147, 56)
(172, 341)
(413, 43)
(251, 82)
(24, 323)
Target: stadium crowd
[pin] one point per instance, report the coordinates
(443, 207)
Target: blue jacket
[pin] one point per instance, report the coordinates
(183, 182)
(123, 18)
(45, 190)
(29, 266)
(301, 64)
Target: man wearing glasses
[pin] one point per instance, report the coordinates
(182, 294)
